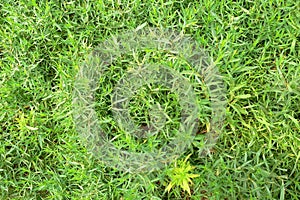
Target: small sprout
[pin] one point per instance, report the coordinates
(180, 175)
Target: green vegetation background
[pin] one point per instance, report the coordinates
(255, 44)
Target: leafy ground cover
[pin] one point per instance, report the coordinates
(255, 45)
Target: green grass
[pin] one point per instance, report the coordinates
(255, 45)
